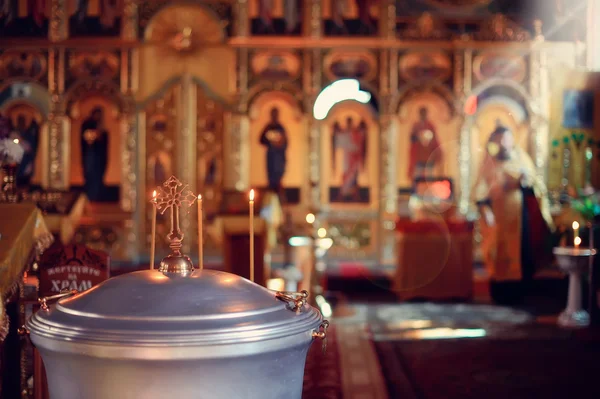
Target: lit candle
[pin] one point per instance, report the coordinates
(153, 241)
(200, 246)
(577, 241)
(251, 198)
(576, 238)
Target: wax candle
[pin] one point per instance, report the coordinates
(251, 200)
(200, 233)
(153, 241)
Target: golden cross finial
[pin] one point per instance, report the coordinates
(173, 195)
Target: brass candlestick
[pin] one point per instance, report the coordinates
(172, 196)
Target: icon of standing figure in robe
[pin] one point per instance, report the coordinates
(274, 137)
(425, 153)
(352, 140)
(94, 153)
(28, 138)
(516, 220)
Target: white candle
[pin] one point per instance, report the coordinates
(200, 230)
(251, 198)
(153, 241)
(576, 238)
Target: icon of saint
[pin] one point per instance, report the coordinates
(94, 153)
(274, 138)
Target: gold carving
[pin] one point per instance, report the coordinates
(186, 28)
(241, 18)
(426, 27)
(388, 19)
(353, 64)
(129, 29)
(59, 29)
(500, 28)
(22, 64)
(502, 65)
(96, 65)
(275, 65)
(425, 65)
(315, 25)
(129, 160)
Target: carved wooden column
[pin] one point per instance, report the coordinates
(58, 177)
(387, 19)
(313, 27)
(242, 25)
(312, 85)
(186, 146)
(129, 85)
(463, 61)
(236, 142)
(540, 93)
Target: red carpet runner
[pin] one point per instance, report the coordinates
(322, 379)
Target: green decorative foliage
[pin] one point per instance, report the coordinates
(555, 143)
(588, 206)
(566, 139)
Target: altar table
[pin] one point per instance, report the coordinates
(435, 259)
(24, 235)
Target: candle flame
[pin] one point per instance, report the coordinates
(577, 241)
(575, 225)
(199, 197)
(154, 194)
(16, 141)
(310, 218)
(251, 195)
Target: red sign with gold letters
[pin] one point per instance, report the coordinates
(71, 267)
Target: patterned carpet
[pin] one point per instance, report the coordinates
(448, 351)
(433, 351)
(490, 369)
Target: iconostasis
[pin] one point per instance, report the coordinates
(226, 101)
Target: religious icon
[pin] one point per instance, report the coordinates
(344, 23)
(160, 167)
(23, 122)
(515, 212)
(351, 139)
(96, 18)
(28, 135)
(425, 151)
(277, 19)
(94, 152)
(24, 18)
(274, 138)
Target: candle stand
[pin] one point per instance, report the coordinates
(576, 262)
